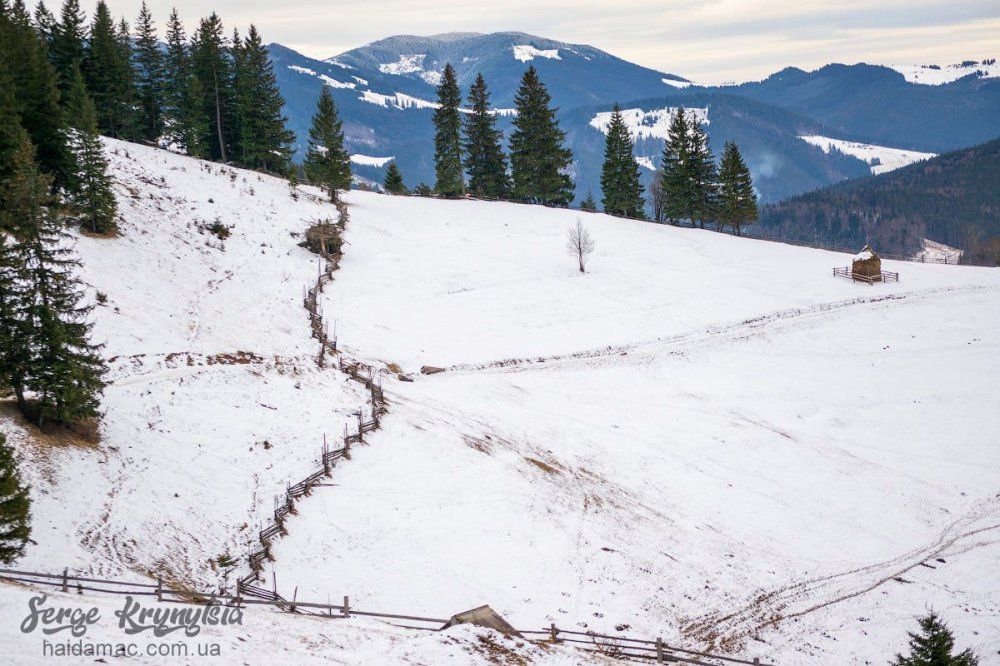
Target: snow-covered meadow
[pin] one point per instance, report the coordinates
(704, 438)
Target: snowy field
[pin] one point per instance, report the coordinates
(701, 426)
(705, 438)
(880, 158)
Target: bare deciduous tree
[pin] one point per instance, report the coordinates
(579, 244)
(656, 196)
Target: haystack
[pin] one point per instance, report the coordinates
(484, 616)
(867, 265)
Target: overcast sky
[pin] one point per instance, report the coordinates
(710, 41)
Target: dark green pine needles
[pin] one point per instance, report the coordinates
(620, 186)
(485, 161)
(447, 140)
(15, 507)
(539, 160)
(327, 164)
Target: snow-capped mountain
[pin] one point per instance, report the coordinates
(386, 94)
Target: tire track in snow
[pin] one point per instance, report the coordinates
(676, 343)
(769, 609)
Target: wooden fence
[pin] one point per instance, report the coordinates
(618, 647)
(847, 272)
(364, 374)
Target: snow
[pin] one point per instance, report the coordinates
(646, 162)
(407, 64)
(938, 252)
(367, 160)
(698, 435)
(677, 84)
(932, 75)
(504, 112)
(684, 432)
(526, 53)
(880, 158)
(864, 255)
(397, 100)
(653, 124)
(333, 83)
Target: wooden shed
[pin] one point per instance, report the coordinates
(866, 265)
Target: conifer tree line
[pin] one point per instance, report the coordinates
(52, 171)
(689, 184)
(468, 146)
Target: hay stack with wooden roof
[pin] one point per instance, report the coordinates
(867, 265)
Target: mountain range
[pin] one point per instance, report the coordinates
(854, 115)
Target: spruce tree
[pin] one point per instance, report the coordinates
(737, 202)
(264, 140)
(211, 62)
(538, 159)
(393, 183)
(107, 73)
(149, 78)
(93, 200)
(66, 371)
(620, 186)
(327, 164)
(15, 507)
(15, 350)
(176, 72)
(588, 204)
(447, 140)
(36, 94)
(675, 186)
(193, 128)
(68, 43)
(485, 162)
(703, 175)
(45, 24)
(11, 132)
(933, 647)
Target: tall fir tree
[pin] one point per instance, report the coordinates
(149, 77)
(588, 204)
(737, 202)
(393, 183)
(933, 646)
(193, 129)
(45, 24)
(68, 42)
(176, 72)
(447, 136)
(92, 201)
(15, 507)
(15, 349)
(264, 139)
(107, 73)
(327, 163)
(11, 132)
(703, 175)
(485, 162)
(539, 160)
(620, 186)
(66, 370)
(36, 96)
(211, 62)
(675, 186)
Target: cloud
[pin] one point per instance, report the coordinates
(706, 40)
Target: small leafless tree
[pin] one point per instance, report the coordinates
(656, 196)
(579, 244)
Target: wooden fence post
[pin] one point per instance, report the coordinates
(346, 610)
(659, 650)
(553, 632)
(65, 585)
(159, 588)
(756, 661)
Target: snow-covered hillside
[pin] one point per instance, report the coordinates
(935, 75)
(704, 438)
(881, 158)
(698, 436)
